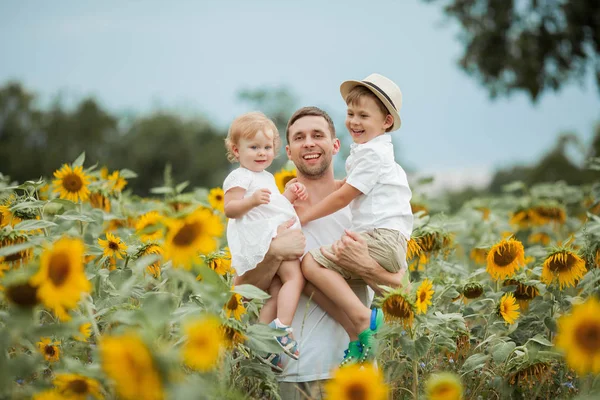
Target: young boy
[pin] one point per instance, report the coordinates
(379, 196)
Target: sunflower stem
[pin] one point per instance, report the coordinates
(415, 365)
(80, 222)
(88, 308)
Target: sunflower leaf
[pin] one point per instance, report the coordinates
(179, 188)
(261, 338)
(75, 217)
(476, 361)
(79, 160)
(9, 250)
(501, 351)
(127, 173)
(162, 190)
(251, 292)
(33, 224)
(29, 204)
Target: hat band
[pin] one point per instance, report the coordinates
(374, 86)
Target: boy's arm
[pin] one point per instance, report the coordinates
(330, 204)
(236, 206)
(352, 254)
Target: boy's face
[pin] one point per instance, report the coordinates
(311, 146)
(257, 153)
(365, 121)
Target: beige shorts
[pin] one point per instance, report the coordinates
(386, 246)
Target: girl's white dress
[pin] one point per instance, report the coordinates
(249, 237)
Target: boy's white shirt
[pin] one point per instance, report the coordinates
(322, 341)
(385, 203)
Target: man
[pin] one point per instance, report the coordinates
(311, 146)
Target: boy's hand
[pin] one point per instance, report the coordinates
(261, 196)
(299, 190)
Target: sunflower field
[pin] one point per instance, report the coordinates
(108, 295)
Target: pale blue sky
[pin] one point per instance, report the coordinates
(194, 56)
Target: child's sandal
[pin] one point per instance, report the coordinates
(288, 344)
(352, 354)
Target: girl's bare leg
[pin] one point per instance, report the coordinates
(269, 311)
(293, 282)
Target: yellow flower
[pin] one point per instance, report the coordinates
(104, 173)
(71, 183)
(7, 217)
(523, 293)
(540, 237)
(149, 227)
(524, 219)
(113, 246)
(508, 308)
(98, 200)
(235, 306)
(154, 268)
(128, 362)
(550, 213)
(578, 337)
(356, 382)
(49, 349)
(443, 386)
(283, 177)
(77, 387)
(61, 278)
(197, 233)
(396, 307)
(85, 331)
(48, 395)
(204, 341)
(18, 258)
(222, 263)
(479, 255)
(532, 375)
(412, 249)
(565, 266)
(472, 290)
(216, 199)
(23, 294)
(232, 336)
(485, 212)
(424, 296)
(116, 181)
(416, 207)
(505, 258)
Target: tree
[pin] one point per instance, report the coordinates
(528, 45)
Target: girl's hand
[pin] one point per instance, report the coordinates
(261, 196)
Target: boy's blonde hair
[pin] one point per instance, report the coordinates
(359, 92)
(246, 126)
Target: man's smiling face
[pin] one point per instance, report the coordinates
(311, 146)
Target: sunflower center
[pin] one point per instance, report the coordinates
(23, 294)
(49, 350)
(356, 391)
(397, 307)
(588, 336)
(72, 183)
(219, 197)
(59, 267)
(232, 304)
(186, 235)
(423, 296)
(444, 390)
(562, 264)
(78, 386)
(113, 245)
(503, 256)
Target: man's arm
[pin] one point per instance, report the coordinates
(352, 253)
(287, 245)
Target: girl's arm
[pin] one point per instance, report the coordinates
(236, 206)
(330, 204)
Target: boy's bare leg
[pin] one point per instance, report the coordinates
(335, 287)
(330, 308)
(269, 311)
(293, 282)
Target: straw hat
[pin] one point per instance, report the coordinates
(387, 91)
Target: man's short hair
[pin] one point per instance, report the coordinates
(309, 112)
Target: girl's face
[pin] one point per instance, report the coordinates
(257, 153)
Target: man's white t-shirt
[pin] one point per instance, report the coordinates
(322, 341)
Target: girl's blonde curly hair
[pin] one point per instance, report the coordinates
(246, 126)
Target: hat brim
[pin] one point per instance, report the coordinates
(347, 86)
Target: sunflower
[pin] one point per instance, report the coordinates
(396, 307)
(505, 258)
(283, 177)
(98, 200)
(232, 336)
(508, 309)
(235, 306)
(128, 362)
(71, 183)
(524, 218)
(23, 294)
(18, 258)
(485, 212)
(197, 233)
(7, 217)
(412, 249)
(43, 191)
(216, 199)
(532, 375)
(479, 255)
(356, 382)
(472, 290)
(221, 264)
(85, 331)
(540, 237)
(565, 266)
(578, 337)
(443, 386)
(113, 246)
(523, 293)
(424, 296)
(61, 278)
(77, 387)
(3, 268)
(116, 181)
(204, 341)
(154, 268)
(49, 349)
(550, 213)
(416, 207)
(149, 227)
(48, 395)
(597, 258)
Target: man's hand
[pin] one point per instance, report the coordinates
(261, 196)
(289, 243)
(351, 253)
